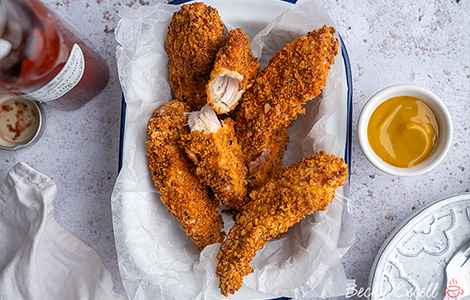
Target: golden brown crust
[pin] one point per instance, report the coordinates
(269, 163)
(303, 188)
(294, 75)
(220, 163)
(194, 36)
(234, 55)
(173, 173)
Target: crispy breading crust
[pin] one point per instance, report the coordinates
(235, 56)
(303, 188)
(220, 163)
(194, 36)
(173, 173)
(293, 76)
(269, 163)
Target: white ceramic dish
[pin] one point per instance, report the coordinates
(138, 239)
(411, 263)
(445, 129)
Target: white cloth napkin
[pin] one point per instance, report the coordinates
(38, 258)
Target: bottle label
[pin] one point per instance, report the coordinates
(67, 79)
(5, 48)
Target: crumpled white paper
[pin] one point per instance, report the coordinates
(156, 258)
(39, 259)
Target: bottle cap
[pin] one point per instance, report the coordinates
(21, 122)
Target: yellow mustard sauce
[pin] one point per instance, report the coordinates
(403, 131)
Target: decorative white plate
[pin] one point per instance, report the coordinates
(411, 263)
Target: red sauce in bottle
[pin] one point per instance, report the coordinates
(48, 61)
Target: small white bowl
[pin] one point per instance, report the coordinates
(442, 115)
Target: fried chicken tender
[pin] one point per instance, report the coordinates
(294, 75)
(303, 188)
(214, 149)
(186, 198)
(234, 68)
(195, 34)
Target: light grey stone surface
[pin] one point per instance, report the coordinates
(389, 42)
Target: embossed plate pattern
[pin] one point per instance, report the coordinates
(411, 263)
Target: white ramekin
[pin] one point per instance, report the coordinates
(442, 115)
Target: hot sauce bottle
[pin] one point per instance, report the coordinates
(43, 58)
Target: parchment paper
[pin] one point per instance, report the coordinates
(156, 259)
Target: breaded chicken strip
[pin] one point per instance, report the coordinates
(303, 188)
(214, 149)
(187, 199)
(194, 36)
(293, 76)
(234, 68)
